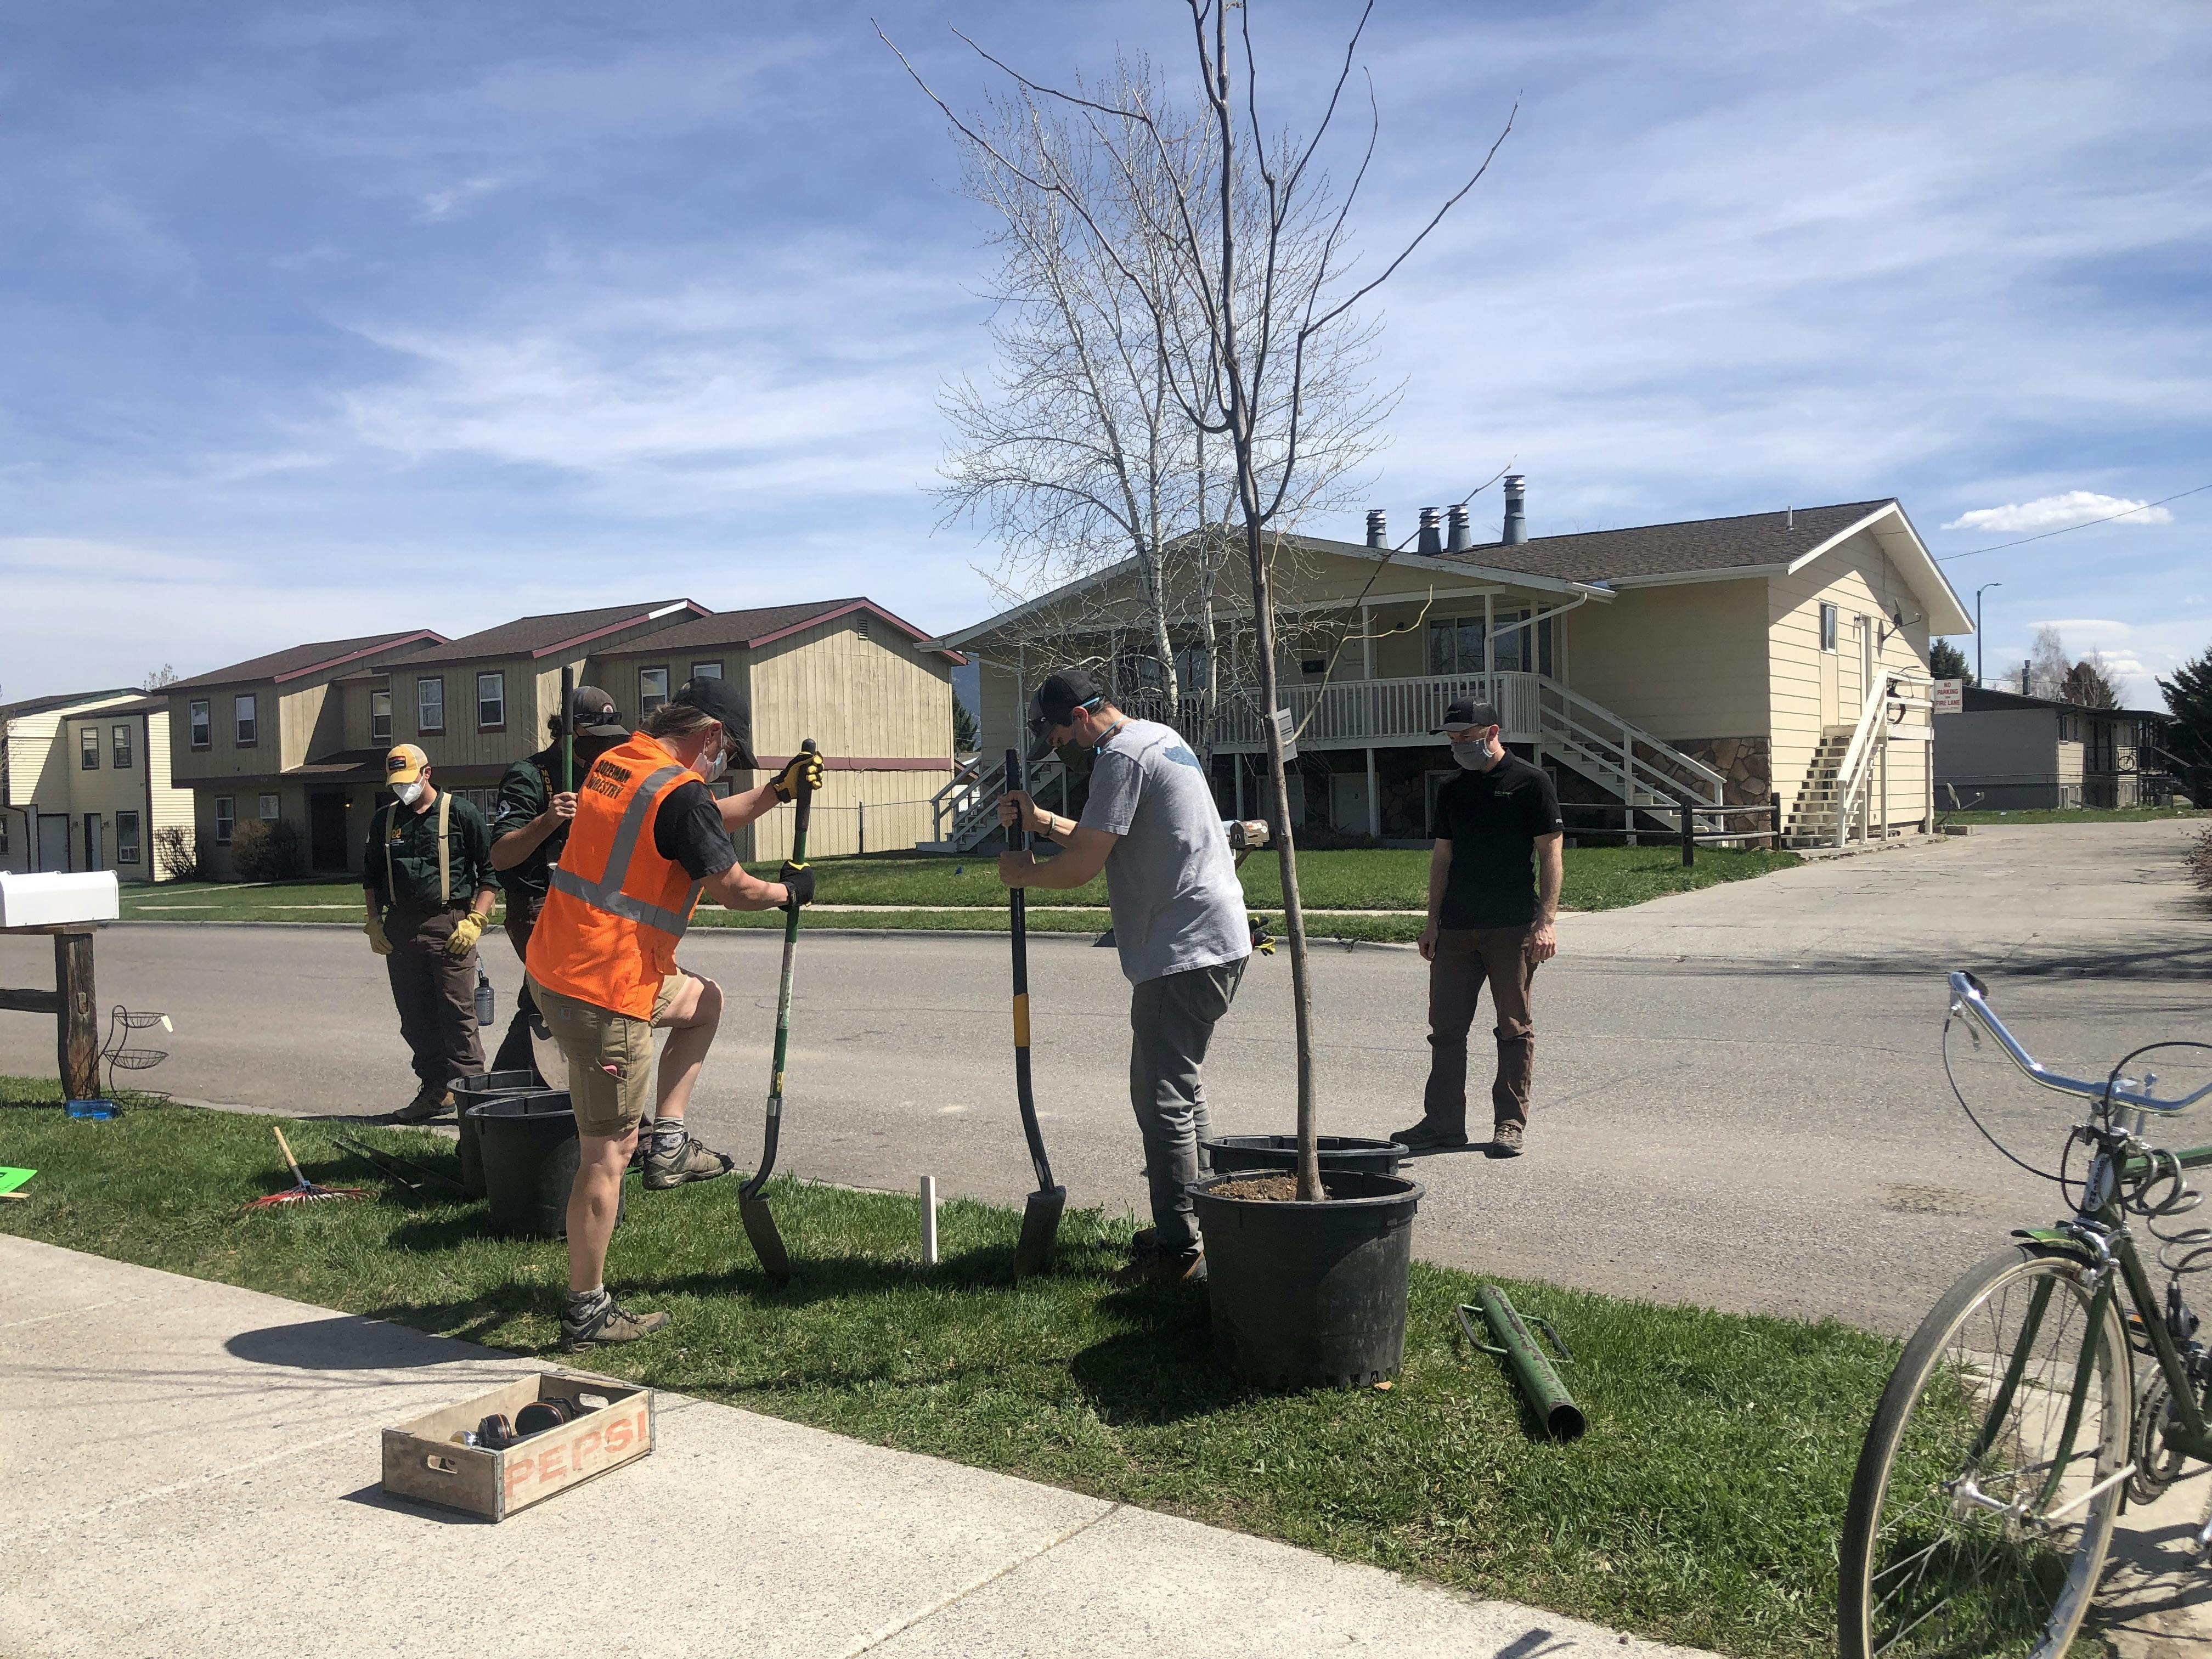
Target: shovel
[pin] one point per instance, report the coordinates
(1041, 1213)
(752, 1209)
(545, 1053)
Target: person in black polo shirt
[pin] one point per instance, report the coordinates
(1497, 826)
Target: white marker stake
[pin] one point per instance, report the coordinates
(929, 1221)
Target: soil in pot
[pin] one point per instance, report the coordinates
(1261, 1189)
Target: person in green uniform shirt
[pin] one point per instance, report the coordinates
(528, 830)
(428, 886)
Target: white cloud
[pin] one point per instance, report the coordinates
(2063, 512)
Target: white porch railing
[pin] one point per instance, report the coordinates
(1887, 702)
(966, 810)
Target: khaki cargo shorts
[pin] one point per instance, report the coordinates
(609, 1057)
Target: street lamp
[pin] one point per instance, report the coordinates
(1978, 591)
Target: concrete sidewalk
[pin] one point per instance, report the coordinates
(190, 1468)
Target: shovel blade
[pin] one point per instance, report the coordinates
(767, 1242)
(1040, 1230)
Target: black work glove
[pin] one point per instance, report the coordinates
(798, 880)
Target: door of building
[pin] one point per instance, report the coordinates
(326, 831)
(1866, 664)
(95, 853)
(1348, 802)
(53, 841)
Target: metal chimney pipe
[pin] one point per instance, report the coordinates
(1433, 537)
(1458, 538)
(1517, 519)
(1378, 532)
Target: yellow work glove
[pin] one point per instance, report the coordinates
(806, 767)
(377, 942)
(466, 931)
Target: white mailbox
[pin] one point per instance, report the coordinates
(51, 898)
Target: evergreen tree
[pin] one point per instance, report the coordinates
(1947, 662)
(2188, 695)
(964, 736)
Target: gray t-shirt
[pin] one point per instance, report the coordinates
(1172, 883)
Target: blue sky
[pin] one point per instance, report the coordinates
(320, 321)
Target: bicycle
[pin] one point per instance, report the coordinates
(2015, 1425)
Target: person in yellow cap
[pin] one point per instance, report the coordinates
(428, 882)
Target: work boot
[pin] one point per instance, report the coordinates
(609, 1323)
(1505, 1140)
(430, 1100)
(1158, 1267)
(1429, 1136)
(671, 1166)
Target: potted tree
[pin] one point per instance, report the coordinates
(1238, 271)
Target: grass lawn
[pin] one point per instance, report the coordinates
(2076, 815)
(1597, 878)
(1702, 1506)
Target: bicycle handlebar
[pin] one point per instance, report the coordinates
(1970, 998)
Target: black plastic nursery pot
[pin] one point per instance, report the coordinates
(1310, 1295)
(1233, 1152)
(529, 1148)
(474, 1089)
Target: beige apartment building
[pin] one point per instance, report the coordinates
(85, 784)
(1777, 656)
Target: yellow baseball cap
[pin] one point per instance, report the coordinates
(404, 763)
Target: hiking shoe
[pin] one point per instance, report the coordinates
(611, 1322)
(1162, 1267)
(1505, 1140)
(429, 1102)
(688, 1161)
(1430, 1137)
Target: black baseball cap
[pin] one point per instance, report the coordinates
(718, 700)
(591, 714)
(1468, 711)
(1056, 703)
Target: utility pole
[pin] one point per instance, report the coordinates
(1978, 591)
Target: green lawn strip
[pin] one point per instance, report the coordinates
(1385, 878)
(1701, 1508)
(2077, 815)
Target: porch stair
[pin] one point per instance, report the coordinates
(1622, 760)
(966, 810)
(1812, 819)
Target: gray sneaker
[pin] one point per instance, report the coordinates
(688, 1161)
(1505, 1140)
(612, 1323)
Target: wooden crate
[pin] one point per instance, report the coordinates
(421, 1459)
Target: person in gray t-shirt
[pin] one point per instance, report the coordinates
(1151, 823)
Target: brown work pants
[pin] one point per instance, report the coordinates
(1466, 958)
(435, 995)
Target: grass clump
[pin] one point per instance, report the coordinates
(1701, 1507)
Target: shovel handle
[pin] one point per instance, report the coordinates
(567, 734)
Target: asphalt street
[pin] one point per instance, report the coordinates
(1739, 1097)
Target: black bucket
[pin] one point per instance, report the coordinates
(474, 1089)
(1234, 1153)
(1312, 1294)
(529, 1148)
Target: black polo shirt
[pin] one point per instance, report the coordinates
(1492, 820)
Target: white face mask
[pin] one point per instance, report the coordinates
(1474, 755)
(712, 770)
(409, 793)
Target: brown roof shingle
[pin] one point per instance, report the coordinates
(296, 660)
(535, 636)
(1747, 541)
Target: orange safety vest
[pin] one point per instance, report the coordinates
(616, 906)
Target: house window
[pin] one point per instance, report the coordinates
(3, 834)
(243, 712)
(1827, 627)
(87, 748)
(491, 702)
(705, 671)
(119, 740)
(429, 705)
(200, 721)
(126, 838)
(379, 717)
(269, 805)
(1455, 645)
(226, 819)
(652, 690)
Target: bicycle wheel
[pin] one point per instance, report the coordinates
(1988, 1483)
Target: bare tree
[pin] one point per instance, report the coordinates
(165, 675)
(2044, 673)
(1263, 289)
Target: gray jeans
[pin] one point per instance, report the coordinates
(1171, 1020)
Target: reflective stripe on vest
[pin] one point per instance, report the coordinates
(606, 893)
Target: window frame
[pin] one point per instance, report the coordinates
(199, 723)
(376, 736)
(498, 678)
(643, 706)
(126, 837)
(226, 819)
(422, 685)
(88, 749)
(707, 671)
(120, 747)
(1831, 626)
(245, 721)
